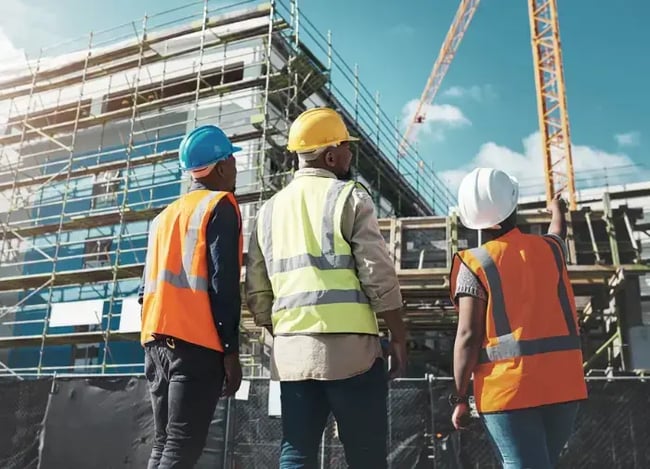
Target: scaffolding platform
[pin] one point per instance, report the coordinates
(425, 290)
(87, 160)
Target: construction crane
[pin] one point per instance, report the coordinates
(549, 83)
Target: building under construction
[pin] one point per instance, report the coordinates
(89, 133)
(89, 158)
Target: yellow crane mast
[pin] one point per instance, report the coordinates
(551, 99)
(549, 82)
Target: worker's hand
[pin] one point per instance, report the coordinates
(461, 418)
(557, 204)
(398, 359)
(232, 369)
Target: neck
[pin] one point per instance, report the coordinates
(489, 235)
(209, 185)
(312, 165)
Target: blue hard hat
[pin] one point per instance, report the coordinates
(204, 146)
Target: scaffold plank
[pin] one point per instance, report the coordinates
(426, 305)
(66, 339)
(101, 59)
(414, 282)
(95, 220)
(114, 165)
(625, 194)
(152, 105)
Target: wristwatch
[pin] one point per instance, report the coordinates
(455, 399)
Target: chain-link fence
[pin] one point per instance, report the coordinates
(106, 422)
(22, 411)
(254, 438)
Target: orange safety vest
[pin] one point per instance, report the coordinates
(176, 301)
(531, 353)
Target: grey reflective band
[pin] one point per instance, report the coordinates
(562, 293)
(307, 260)
(518, 348)
(321, 297)
(149, 285)
(507, 346)
(327, 229)
(499, 315)
(328, 260)
(266, 243)
(183, 279)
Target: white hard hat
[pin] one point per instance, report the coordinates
(486, 197)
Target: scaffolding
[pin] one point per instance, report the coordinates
(89, 132)
(89, 142)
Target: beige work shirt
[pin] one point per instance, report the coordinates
(330, 356)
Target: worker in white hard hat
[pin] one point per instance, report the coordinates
(318, 272)
(518, 330)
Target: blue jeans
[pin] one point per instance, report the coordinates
(531, 438)
(359, 407)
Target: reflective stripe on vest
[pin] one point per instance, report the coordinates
(508, 346)
(184, 279)
(301, 304)
(176, 301)
(328, 259)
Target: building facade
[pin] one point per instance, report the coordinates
(89, 144)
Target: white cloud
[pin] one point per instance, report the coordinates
(437, 119)
(10, 55)
(628, 139)
(475, 92)
(29, 24)
(590, 165)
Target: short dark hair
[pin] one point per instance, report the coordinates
(510, 222)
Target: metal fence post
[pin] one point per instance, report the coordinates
(226, 437)
(432, 407)
(390, 423)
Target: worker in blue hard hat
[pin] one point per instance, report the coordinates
(191, 301)
(205, 149)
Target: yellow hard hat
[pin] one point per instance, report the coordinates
(316, 128)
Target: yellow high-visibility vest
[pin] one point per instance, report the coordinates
(309, 263)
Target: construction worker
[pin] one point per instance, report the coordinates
(317, 272)
(191, 301)
(517, 326)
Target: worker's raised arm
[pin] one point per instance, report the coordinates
(375, 269)
(224, 272)
(558, 208)
(259, 293)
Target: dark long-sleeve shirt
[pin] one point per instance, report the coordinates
(222, 237)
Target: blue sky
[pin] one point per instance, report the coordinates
(486, 111)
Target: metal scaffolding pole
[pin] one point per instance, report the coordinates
(66, 192)
(125, 194)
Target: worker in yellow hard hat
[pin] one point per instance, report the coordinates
(318, 272)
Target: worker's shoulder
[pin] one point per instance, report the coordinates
(545, 238)
(268, 204)
(225, 205)
(354, 190)
(559, 242)
(361, 188)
